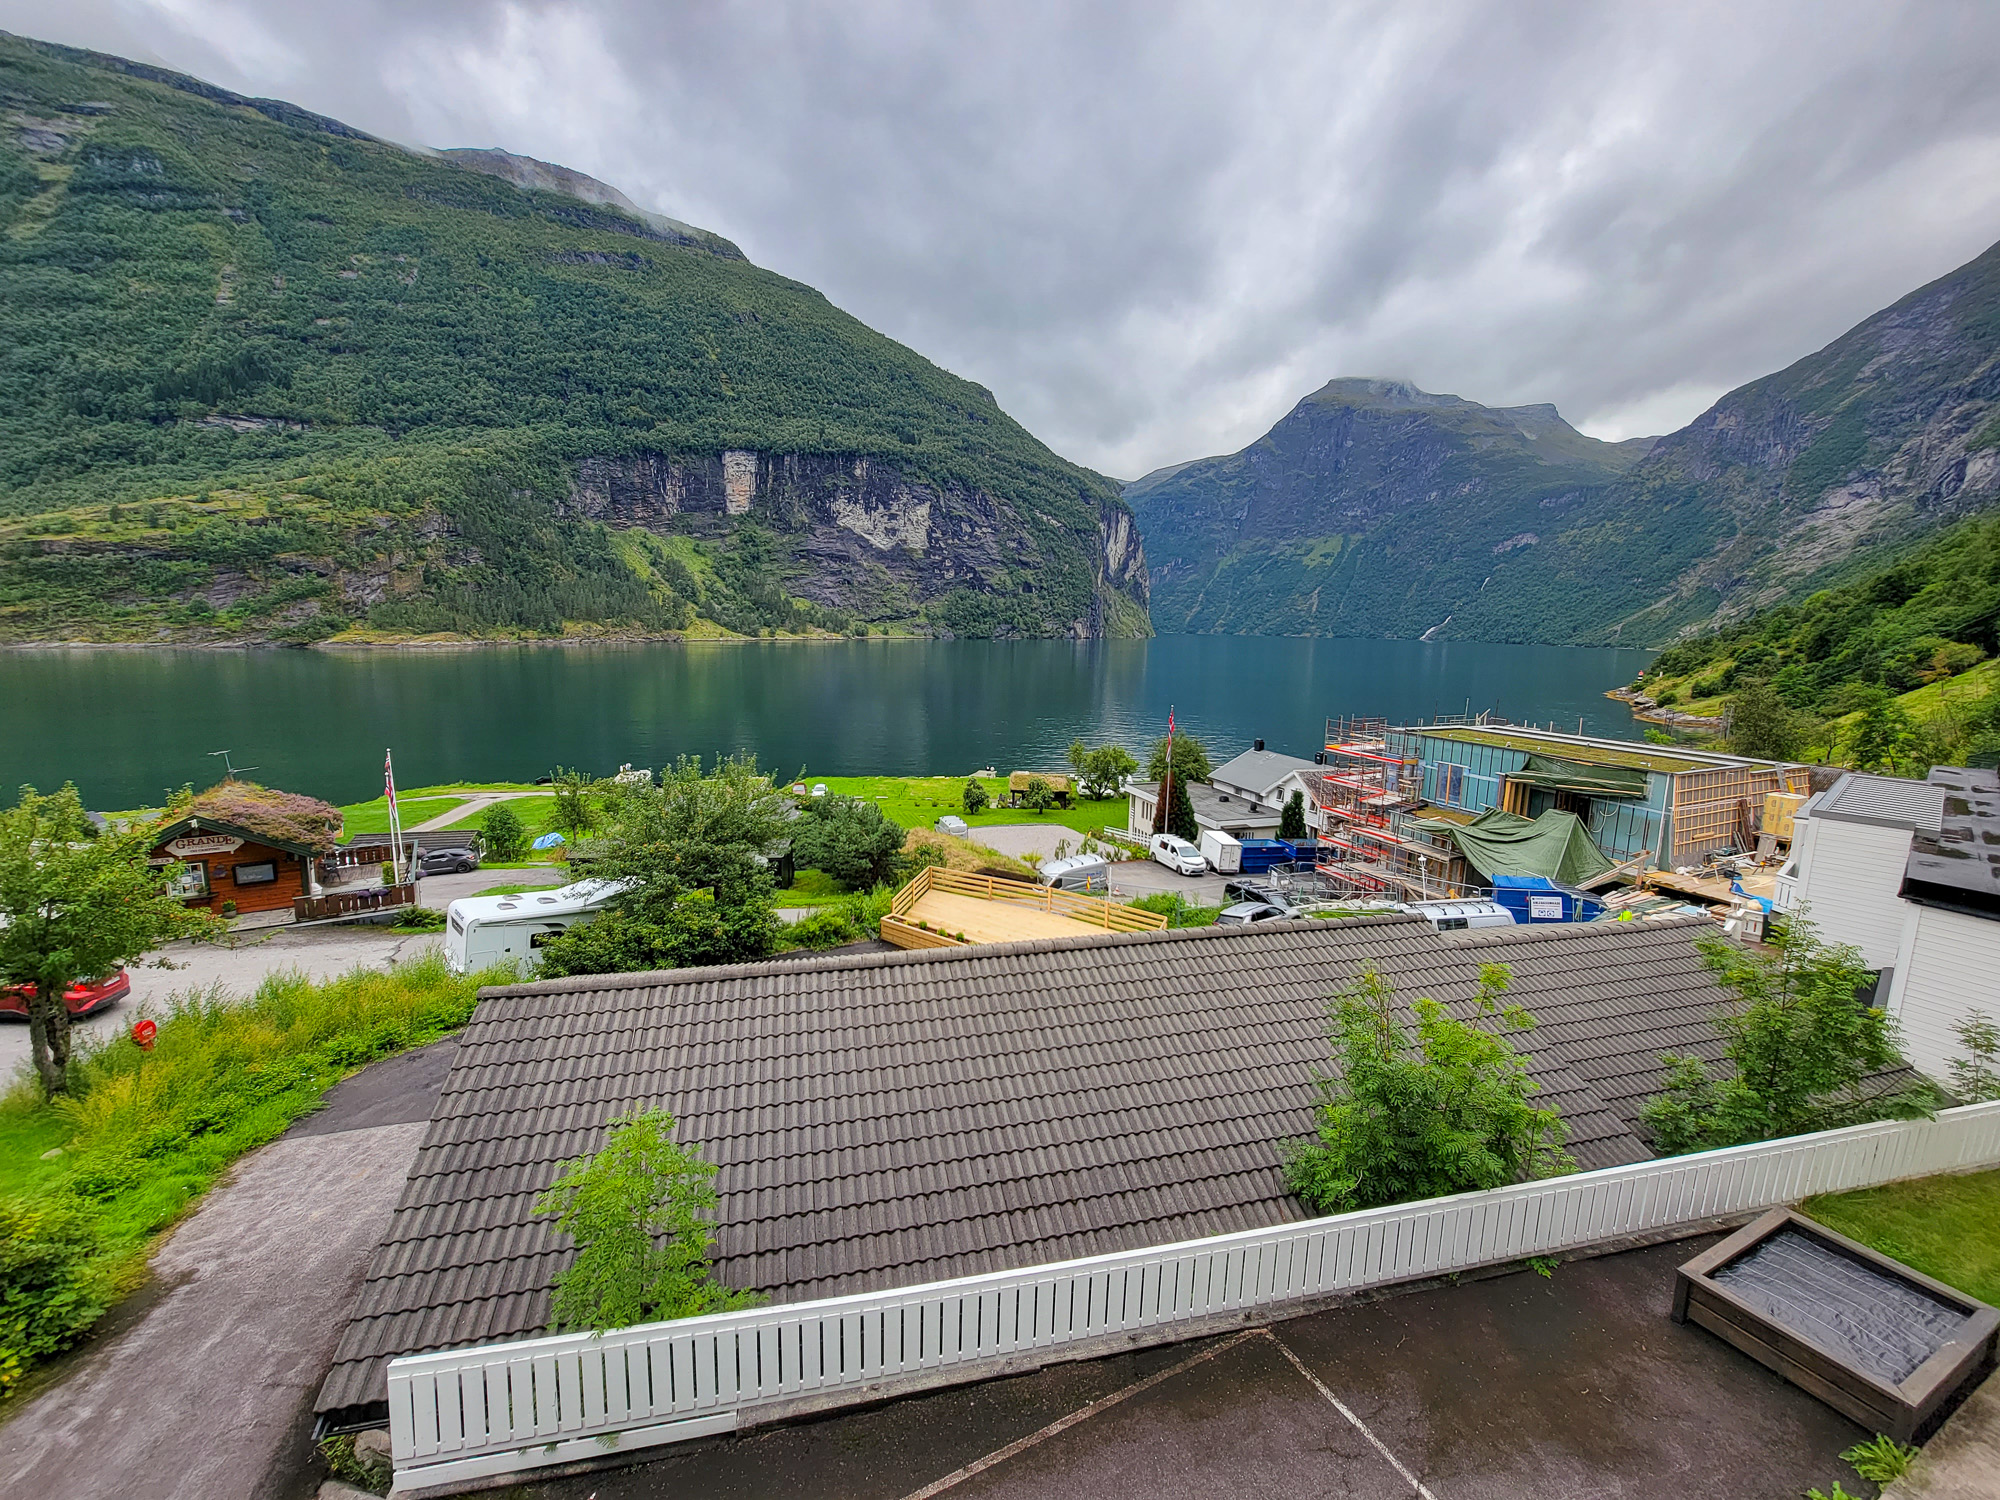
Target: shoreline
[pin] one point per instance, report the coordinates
(1646, 710)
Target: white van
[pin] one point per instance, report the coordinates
(1080, 872)
(1177, 854)
(1224, 852)
(1454, 916)
(480, 931)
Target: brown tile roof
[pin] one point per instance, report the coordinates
(887, 1119)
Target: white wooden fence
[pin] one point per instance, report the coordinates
(496, 1409)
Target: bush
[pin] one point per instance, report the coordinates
(640, 1212)
(974, 798)
(691, 933)
(1175, 908)
(826, 928)
(51, 1286)
(506, 839)
(1402, 1118)
(1038, 795)
(849, 839)
(420, 919)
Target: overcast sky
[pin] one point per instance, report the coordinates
(1151, 228)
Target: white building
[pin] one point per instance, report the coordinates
(1909, 873)
(1242, 797)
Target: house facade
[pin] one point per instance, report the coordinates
(221, 864)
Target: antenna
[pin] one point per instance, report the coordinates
(231, 772)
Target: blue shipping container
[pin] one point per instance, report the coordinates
(1535, 898)
(1260, 854)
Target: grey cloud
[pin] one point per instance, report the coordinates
(1150, 228)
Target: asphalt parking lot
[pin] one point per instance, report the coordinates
(1560, 1388)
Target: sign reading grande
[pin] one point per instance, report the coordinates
(189, 845)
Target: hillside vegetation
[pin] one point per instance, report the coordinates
(1908, 648)
(269, 378)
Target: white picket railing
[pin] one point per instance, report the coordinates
(500, 1408)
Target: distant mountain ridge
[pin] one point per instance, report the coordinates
(1377, 509)
(272, 379)
(1372, 509)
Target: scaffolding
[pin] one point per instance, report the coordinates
(1364, 795)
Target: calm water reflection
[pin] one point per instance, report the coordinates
(125, 724)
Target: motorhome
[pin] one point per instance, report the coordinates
(1455, 916)
(481, 931)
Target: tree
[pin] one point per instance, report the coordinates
(506, 839)
(1975, 1078)
(1190, 759)
(1804, 1055)
(1761, 724)
(1102, 771)
(641, 1212)
(694, 850)
(849, 839)
(974, 798)
(1292, 821)
(1884, 737)
(1401, 1118)
(76, 903)
(1038, 795)
(575, 813)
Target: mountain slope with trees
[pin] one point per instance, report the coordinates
(1374, 509)
(269, 378)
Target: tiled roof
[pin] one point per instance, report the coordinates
(887, 1119)
(1890, 801)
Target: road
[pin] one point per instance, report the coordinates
(240, 965)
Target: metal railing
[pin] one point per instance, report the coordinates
(511, 1407)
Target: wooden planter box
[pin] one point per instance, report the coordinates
(1905, 1410)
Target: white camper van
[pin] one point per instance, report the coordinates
(1080, 872)
(1455, 916)
(481, 931)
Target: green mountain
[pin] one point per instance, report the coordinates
(268, 378)
(1375, 510)
(1372, 509)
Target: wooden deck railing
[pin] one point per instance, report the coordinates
(354, 903)
(900, 927)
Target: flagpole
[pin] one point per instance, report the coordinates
(395, 816)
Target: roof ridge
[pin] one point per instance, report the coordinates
(763, 968)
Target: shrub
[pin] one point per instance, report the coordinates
(826, 928)
(849, 839)
(691, 933)
(1038, 795)
(506, 839)
(420, 919)
(51, 1287)
(1401, 1118)
(974, 798)
(640, 1212)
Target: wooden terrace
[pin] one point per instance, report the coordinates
(948, 909)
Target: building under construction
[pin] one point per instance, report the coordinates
(1412, 812)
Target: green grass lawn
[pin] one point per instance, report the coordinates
(1946, 1227)
(373, 817)
(813, 888)
(919, 801)
(534, 813)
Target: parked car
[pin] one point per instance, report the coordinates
(84, 998)
(1177, 854)
(447, 862)
(1245, 912)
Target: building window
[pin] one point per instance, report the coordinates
(190, 880)
(1451, 785)
(257, 874)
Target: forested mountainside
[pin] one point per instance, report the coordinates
(1372, 509)
(1352, 518)
(1929, 618)
(268, 378)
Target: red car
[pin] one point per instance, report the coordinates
(85, 998)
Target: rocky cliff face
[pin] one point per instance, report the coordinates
(863, 536)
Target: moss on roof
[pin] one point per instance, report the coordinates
(1638, 757)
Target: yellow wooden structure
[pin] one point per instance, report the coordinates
(949, 909)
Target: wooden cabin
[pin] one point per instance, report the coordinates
(222, 862)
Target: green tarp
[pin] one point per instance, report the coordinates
(1556, 845)
(1555, 774)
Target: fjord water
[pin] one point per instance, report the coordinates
(125, 724)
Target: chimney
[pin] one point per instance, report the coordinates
(1256, 744)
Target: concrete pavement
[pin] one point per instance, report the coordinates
(1962, 1459)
